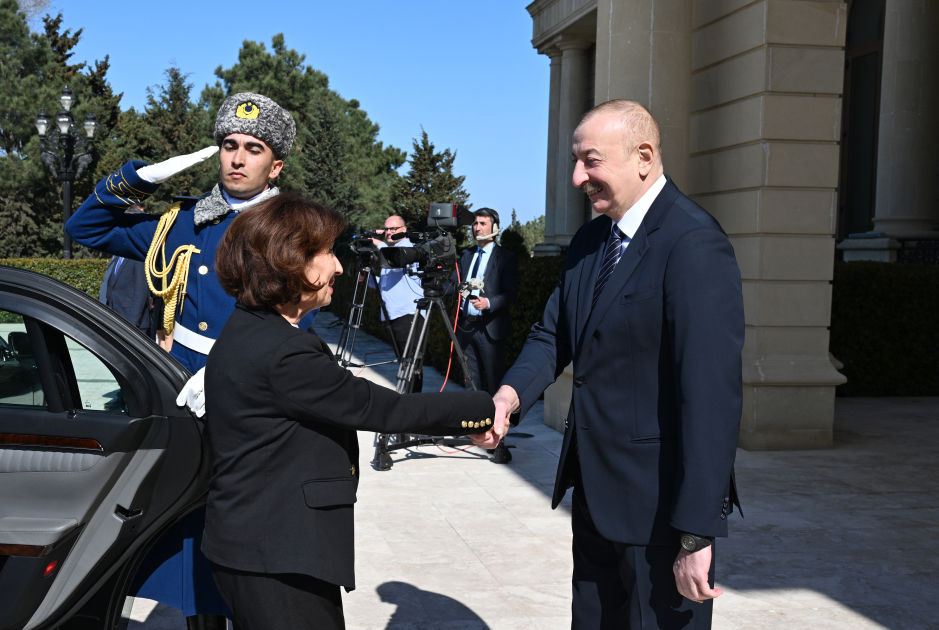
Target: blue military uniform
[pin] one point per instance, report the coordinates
(100, 223)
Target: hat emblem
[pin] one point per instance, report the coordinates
(248, 111)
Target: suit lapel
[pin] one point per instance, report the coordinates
(624, 270)
(589, 272)
(491, 264)
(465, 260)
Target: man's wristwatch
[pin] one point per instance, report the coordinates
(692, 543)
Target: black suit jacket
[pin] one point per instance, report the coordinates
(127, 293)
(500, 288)
(657, 391)
(281, 425)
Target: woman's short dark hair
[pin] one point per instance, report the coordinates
(262, 258)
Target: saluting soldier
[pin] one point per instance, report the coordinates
(254, 135)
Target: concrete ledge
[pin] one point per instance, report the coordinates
(876, 249)
(786, 440)
(787, 417)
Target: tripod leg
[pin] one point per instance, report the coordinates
(382, 457)
(456, 346)
(347, 336)
(410, 357)
(384, 310)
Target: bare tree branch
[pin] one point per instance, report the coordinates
(34, 9)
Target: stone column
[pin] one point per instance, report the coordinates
(765, 92)
(644, 54)
(554, 106)
(906, 197)
(569, 204)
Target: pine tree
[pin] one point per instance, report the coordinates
(524, 236)
(430, 179)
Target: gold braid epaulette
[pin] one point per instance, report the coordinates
(174, 293)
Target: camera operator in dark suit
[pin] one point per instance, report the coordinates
(484, 323)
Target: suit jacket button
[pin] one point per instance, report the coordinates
(203, 270)
(203, 326)
(579, 381)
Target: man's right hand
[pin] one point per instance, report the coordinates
(159, 173)
(506, 402)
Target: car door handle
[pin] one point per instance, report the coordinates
(125, 515)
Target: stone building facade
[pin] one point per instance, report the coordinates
(751, 100)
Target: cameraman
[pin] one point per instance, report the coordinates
(485, 324)
(399, 291)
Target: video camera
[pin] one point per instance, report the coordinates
(362, 248)
(434, 250)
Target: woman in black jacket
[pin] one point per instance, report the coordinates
(282, 424)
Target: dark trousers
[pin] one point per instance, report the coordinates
(264, 601)
(485, 356)
(400, 328)
(618, 586)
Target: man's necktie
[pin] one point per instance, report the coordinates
(479, 257)
(614, 249)
(117, 265)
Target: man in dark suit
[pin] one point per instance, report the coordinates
(124, 289)
(649, 308)
(485, 324)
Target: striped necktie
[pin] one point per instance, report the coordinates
(614, 249)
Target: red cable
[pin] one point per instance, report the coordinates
(459, 450)
(456, 318)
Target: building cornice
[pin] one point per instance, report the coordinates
(551, 17)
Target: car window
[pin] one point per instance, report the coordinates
(19, 376)
(98, 388)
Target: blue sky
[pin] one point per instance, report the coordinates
(466, 71)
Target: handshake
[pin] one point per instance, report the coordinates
(506, 402)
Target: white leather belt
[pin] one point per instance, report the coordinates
(193, 341)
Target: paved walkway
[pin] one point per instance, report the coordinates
(831, 539)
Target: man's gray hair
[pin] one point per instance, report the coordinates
(638, 123)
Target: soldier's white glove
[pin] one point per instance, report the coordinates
(159, 173)
(193, 394)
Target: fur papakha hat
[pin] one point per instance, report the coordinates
(258, 116)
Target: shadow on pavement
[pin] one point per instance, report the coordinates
(426, 609)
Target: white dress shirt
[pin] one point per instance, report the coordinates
(483, 254)
(399, 289)
(637, 212)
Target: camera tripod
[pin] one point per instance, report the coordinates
(411, 362)
(351, 327)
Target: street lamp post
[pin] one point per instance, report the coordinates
(66, 153)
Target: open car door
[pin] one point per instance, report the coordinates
(96, 460)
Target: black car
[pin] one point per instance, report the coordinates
(96, 459)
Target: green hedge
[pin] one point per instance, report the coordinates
(884, 328)
(85, 274)
(538, 278)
